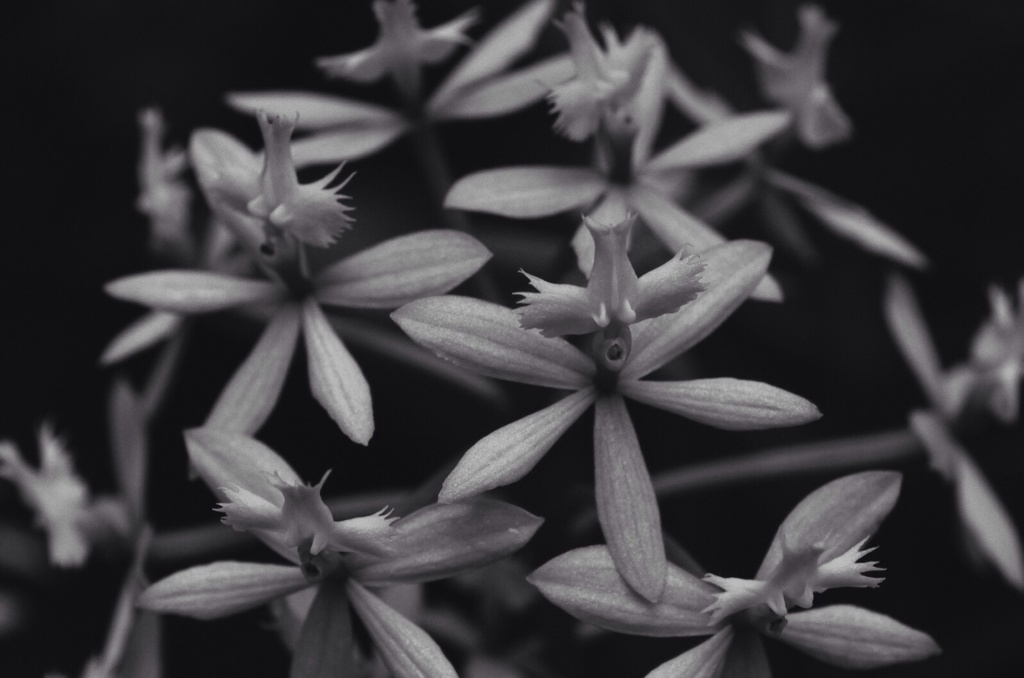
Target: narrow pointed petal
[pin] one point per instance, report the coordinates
(649, 102)
(487, 339)
(585, 583)
(128, 442)
(221, 589)
(722, 141)
(855, 638)
(669, 286)
(704, 661)
(334, 376)
(512, 451)
(506, 93)
(326, 647)
(696, 104)
(909, 330)
(731, 272)
(838, 515)
(626, 505)
(148, 330)
(224, 459)
(314, 111)
(851, 221)
(676, 228)
(192, 291)
(526, 191)
(406, 649)
(556, 309)
(248, 399)
(507, 41)
(347, 143)
(732, 404)
(402, 269)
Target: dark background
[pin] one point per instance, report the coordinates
(931, 86)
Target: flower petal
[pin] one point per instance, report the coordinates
(704, 661)
(626, 505)
(526, 191)
(838, 515)
(487, 339)
(676, 228)
(988, 522)
(505, 93)
(223, 459)
(556, 309)
(402, 269)
(909, 330)
(250, 396)
(731, 271)
(732, 404)
(507, 41)
(311, 111)
(855, 638)
(649, 102)
(669, 286)
(326, 647)
(148, 330)
(347, 143)
(585, 583)
(722, 141)
(406, 649)
(128, 443)
(441, 540)
(192, 291)
(698, 105)
(512, 451)
(222, 588)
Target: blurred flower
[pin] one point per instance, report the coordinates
(997, 354)
(480, 86)
(815, 548)
(796, 79)
(434, 542)
(163, 195)
(489, 339)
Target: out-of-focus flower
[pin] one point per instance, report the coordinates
(434, 542)
(997, 355)
(815, 548)
(987, 523)
(386, 275)
(796, 79)
(480, 86)
(489, 339)
(163, 195)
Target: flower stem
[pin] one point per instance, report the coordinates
(162, 377)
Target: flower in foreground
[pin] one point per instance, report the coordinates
(796, 79)
(344, 560)
(275, 217)
(816, 548)
(479, 87)
(987, 523)
(489, 339)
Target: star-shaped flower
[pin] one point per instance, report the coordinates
(815, 548)
(489, 339)
(268, 499)
(479, 87)
(274, 215)
(796, 79)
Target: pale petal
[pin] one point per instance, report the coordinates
(626, 505)
(128, 444)
(669, 286)
(487, 339)
(315, 111)
(731, 271)
(988, 522)
(348, 143)
(556, 309)
(732, 404)
(851, 221)
(326, 647)
(402, 269)
(512, 451)
(704, 661)
(676, 228)
(526, 191)
(334, 376)
(722, 141)
(699, 105)
(909, 330)
(148, 330)
(585, 583)
(507, 41)
(505, 93)
(224, 459)
(250, 396)
(612, 209)
(221, 589)
(648, 103)
(839, 515)
(192, 291)
(855, 638)
(227, 169)
(405, 648)
(441, 540)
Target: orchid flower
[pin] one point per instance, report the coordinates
(490, 339)
(817, 547)
(262, 494)
(989, 527)
(275, 216)
(479, 87)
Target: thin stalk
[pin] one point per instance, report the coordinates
(154, 394)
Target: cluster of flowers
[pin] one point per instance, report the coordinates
(596, 344)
